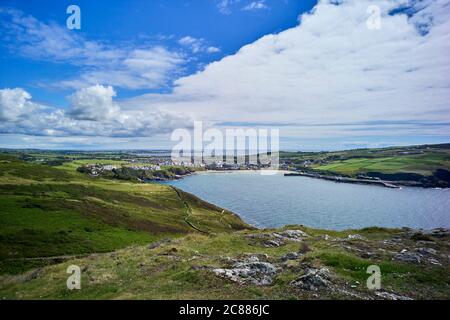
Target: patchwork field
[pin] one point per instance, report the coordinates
(427, 166)
(420, 164)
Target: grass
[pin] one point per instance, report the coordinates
(422, 164)
(171, 272)
(53, 211)
(53, 216)
(426, 166)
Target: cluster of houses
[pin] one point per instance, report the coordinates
(240, 166)
(188, 164)
(96, 169)
(152, 167)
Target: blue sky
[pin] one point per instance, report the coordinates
(156, 22)
(137, 70)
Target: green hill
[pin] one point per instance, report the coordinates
(151, 241)
(425, 165)
(56, 211)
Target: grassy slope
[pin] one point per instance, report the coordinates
(48, 211)
(55, 211)
(181, 269)
(423, 160)
(420, 164)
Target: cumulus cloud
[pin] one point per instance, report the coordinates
(330, 76)
(94, 103)
(93, 112)
(331, 71)
(15, 104)
(126, 66)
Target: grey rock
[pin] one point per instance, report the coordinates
(391, 296)
(290, 256)
(424, 242)
(440, 233)
(313, 280)
(434, 262)
(227, 259)
(278, 239)
(250, 271)
(367, 255)
(355, 237)
(255, 257)
(274, 243)
(427, 251)
(267, 240)
(410, 257)
(293, 235)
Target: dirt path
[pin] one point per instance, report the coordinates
(51, 258)
(188, 212)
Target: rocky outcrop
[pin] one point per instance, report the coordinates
(419, 255)
(408, 257)
(290, 256)
(313, 279)
(356, 237)
(390, 296)
(250, 271)
(278, 239)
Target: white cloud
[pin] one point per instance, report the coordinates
(255, 5)
(194, 44)
(126, 66)
(140, 69)
(212, 49)
(197, 45)
(328, 77)
(188, 41)
(94, 103)
(224, 6)
(93, 112)
(14, 104)
(331, 69)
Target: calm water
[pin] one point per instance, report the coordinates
(274, 201)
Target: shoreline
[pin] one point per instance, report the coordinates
(426, 231)
(333, 178)
(255, 224)
(376, 182)
(340, 179)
